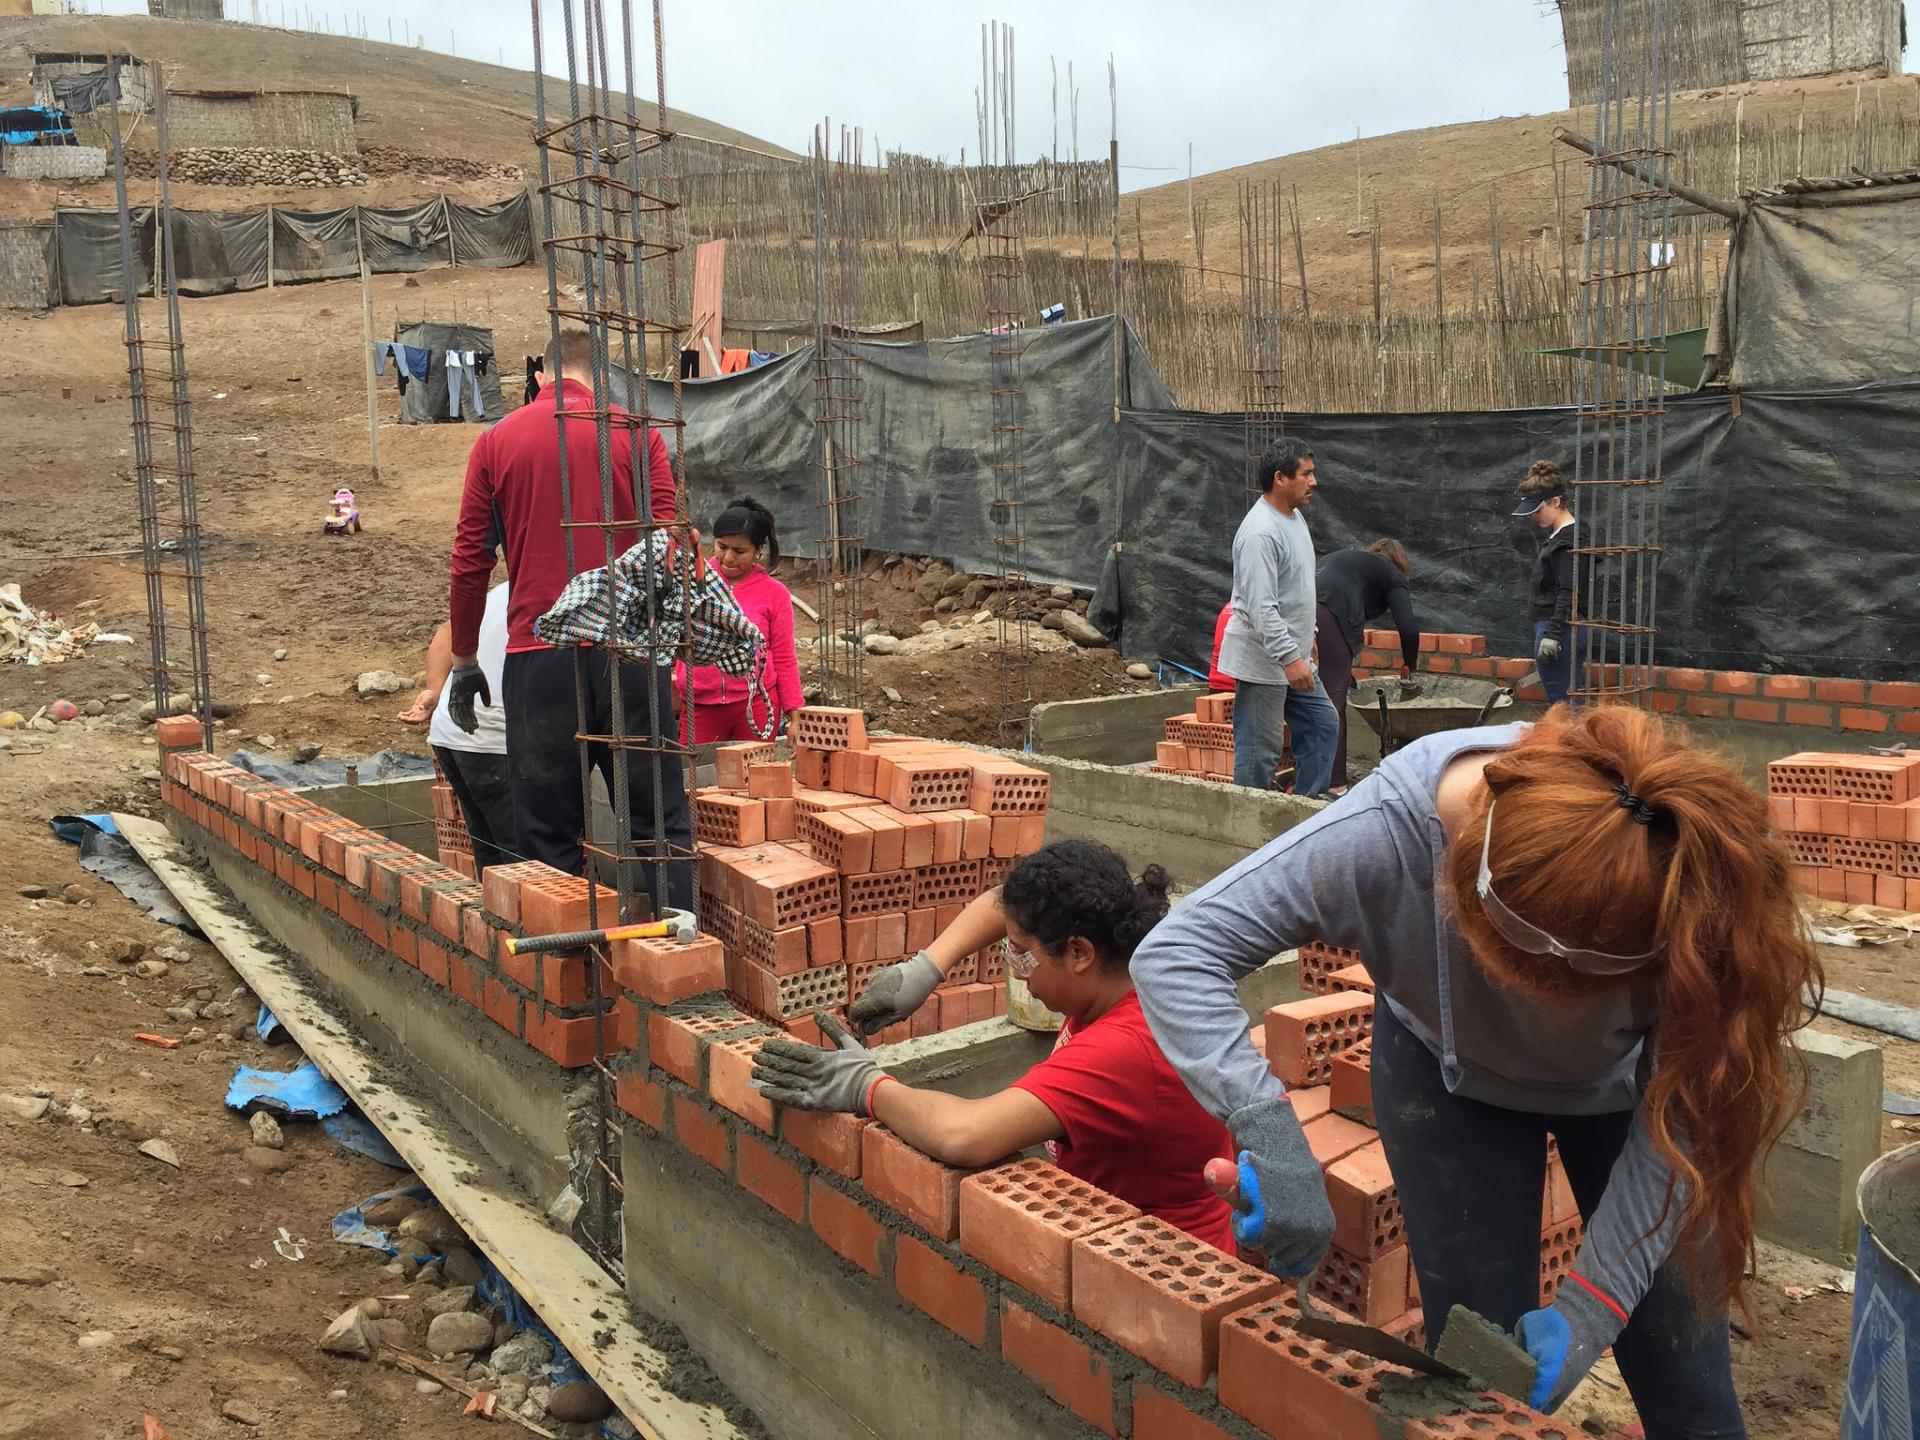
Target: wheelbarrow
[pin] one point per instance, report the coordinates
(1399, 711)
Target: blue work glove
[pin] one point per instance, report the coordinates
(1278, 1196)
(463, 684)
(1564, 1341)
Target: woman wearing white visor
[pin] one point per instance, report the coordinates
(1581, 928)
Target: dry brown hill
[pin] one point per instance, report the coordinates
(409, 99)
(1512, 161)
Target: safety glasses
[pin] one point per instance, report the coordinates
(1023, 962)
(1531, 938)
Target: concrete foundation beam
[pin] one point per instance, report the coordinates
(1812, 1173)
(1109, 729)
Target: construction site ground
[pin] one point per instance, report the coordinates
(177, 1267)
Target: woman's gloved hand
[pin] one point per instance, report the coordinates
(1278, 1196)
(895, 992)
(842, 1077)
(1565, 1339)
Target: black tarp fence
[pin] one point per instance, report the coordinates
(216, 252)
(925, 479)
(1789, 524)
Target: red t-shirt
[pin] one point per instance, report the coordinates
(1133, 1128)
(1215, 680)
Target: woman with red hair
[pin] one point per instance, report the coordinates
(1581, 928)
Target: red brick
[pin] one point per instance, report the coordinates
(1496, 1417)
(417, 887)
(1787, 687)
(1841, 692)
(1909, 723)
(374, 925)
(730, 1079)
(1160, 1293)
(563, 979)
(644, 1099)
(665, 970)
(1333, 1136)
(557, 904)
(465, 980)
(521, 967)
(1375, 1290)
(916, 1185)
(1691, 680)
(1873, 721)
(1477, 665)
(1708, 707)
(502, 1006)
(178, 732)
(1366, 1203)
(1735, 682)
(845, 1225)
(1449, 644)
(832, 1140)
(676, 1039)
(1664, 703)
(434, 962)
(1287, 1384)
(1310, 1103)
(1070, 1373)
(700, 1133)
(1303, 1036)
(824, 941)
(326, 892)
(1895, 694)
(942, 1289)
(771, 1178)
(501, 886)
(404, 941)
(1512, 669)
(1767, 712)
(1160, 1417)
(568, 1042)
(1021, 1219)
(1441, 664)
(1820, 716)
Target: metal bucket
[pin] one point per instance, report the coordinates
(1883, 1376)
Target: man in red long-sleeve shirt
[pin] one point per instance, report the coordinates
(513, 477)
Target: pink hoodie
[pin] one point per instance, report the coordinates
(769, 605)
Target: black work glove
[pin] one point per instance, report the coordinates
(463, 684)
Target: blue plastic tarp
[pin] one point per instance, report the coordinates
(302, 1093)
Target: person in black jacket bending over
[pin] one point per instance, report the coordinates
(1356, 586)
(1543, 500)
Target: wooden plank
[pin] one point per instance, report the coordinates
(709, 291)
(579, 1302)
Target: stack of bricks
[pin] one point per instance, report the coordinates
(1199, 745)
(1124, 1322)
(1320, 1049)
(1852, 826)
(450, 828)
(816, 872)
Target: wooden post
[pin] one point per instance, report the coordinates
(446, 218)
(366, 345)
(269, 244)
(1439, 313)
(1119, 321)
(1739, 119)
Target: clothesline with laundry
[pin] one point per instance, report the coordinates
(410, 361)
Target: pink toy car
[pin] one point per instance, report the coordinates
(343, 514)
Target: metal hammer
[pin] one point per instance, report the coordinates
(675, 923)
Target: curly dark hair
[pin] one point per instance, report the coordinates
(1075, 887)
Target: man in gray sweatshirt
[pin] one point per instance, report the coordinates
(1270, 633)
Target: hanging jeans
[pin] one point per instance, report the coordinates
(1470, 1177)
(460, 363)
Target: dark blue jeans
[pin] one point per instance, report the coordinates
(1471, 1177)
(1555, 678)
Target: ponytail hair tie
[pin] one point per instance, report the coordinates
(1642, 812)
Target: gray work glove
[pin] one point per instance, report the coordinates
(895, 992)
(1280, 1208)
(806, 1077)
(463, 684)
(1549, 650)
(1564, 1341)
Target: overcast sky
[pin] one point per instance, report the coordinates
(1242, 80)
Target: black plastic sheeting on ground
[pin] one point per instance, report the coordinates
(1789, 528)
(925, 479)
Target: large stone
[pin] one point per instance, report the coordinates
(1138, 671)
(460, 1333)
(454, 1298)
(265, 1130)
(240, 1412)
(581, 1401)
(524, 1354)
(460, 1267)
(353, 1334)
(28, 1107)
(880, 643)
(392, 1210)
(434, 1226)
(1082, 631)
(927, 591)
(380, 682)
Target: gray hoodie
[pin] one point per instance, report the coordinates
(1362, 874)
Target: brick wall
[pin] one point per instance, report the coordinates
(268, 120)
(1121, 1320)
(1888, 708)
(26, 269)
(53, 162)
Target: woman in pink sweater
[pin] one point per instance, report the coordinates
(720, 702)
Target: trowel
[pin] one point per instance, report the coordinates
(1352, 1335)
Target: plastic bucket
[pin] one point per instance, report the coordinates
(1883, 1375)
(1025, 1011)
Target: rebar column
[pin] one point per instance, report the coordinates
(1624, 315)
(606, 188)
(1263, 300)
(837, 390)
